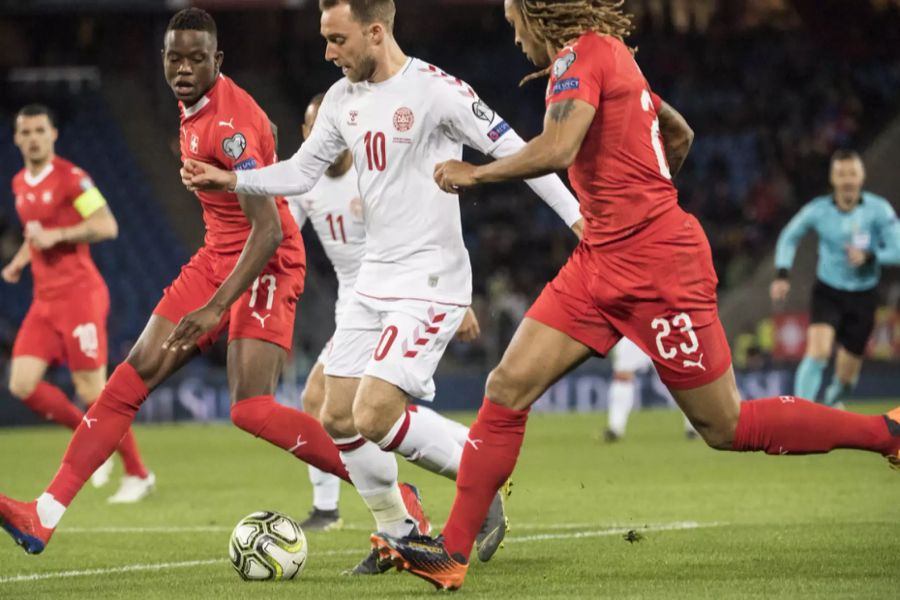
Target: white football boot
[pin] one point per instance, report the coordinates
(133, 489)
(102, 474)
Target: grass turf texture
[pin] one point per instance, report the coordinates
(766, 527)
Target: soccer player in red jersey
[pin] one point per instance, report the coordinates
(643, 270)
(63, 212)
(246, 278)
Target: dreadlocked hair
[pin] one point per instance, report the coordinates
(558, 22)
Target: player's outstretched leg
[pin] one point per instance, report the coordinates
(784, 424)
(423, 438)
(137, 482)
(254, 367)
(102, 428)
(537, 356)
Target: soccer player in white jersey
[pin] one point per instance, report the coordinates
(398, 116)
(627, 361)
(334, 210)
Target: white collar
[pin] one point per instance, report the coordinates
(197, 107)
(34, 180)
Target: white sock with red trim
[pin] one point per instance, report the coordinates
(425, 440)
(458, 431)
(374, 474)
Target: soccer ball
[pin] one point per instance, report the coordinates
(267, 545)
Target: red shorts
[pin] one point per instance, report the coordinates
(70, 329)
(264, 312)
(657, 288)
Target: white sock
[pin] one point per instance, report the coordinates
(49, 510)
(458, 431)
(374, 474)
(427, 443)
(326, 489)
(621, 401)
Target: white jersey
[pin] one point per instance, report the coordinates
(335, 210)
(397, 131)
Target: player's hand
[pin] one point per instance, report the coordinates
(578, 228)
(198, 176)
(453, 175)
(857, 257)
(469, 330)
(12, 273)
(191, 327)
(41, 238)
(779, 289)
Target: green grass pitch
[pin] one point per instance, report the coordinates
(714, 525)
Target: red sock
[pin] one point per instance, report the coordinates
(291, 430)
(488, 460)
(789, 425)
(49, 402)
(101, 430)
(131, 457)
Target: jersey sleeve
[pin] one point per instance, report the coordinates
(656, 101)
(468, 118)
(887, 229)
(247, 144)
(577, 74)
(298, 210)
(793, 232)
(298, 174)
(86, 198)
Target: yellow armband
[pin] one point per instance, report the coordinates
(89, 202)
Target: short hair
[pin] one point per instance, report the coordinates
(367, 11)
(845, 154)
(193, 19)
(36, 110)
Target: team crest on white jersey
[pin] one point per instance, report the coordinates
(352, 117)
(403, 119)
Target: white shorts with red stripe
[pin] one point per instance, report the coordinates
(400, 341)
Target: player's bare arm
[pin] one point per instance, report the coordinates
(677, 136)
(100, 225)
(264, 239)
(12, 272)
(565, 125)
(469, 330)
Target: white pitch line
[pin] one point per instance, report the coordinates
(677, 526)
(516, 526)
(142, 567)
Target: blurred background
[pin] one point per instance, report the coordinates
(770, 87)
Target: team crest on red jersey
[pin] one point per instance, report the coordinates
(195, 143)
(403, 119)
(563, 63)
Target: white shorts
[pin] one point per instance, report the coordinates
(399, 341)
(628, 358)
(323, 355)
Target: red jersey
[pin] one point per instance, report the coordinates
(60, 195)
(228, 129)
(621, 175)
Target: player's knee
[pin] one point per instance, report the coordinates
(625, 376)
(370, 422)
(337, 424)
(251, 417)
(88, 391)
(718, 435)
(22, 387)
(508, 388)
